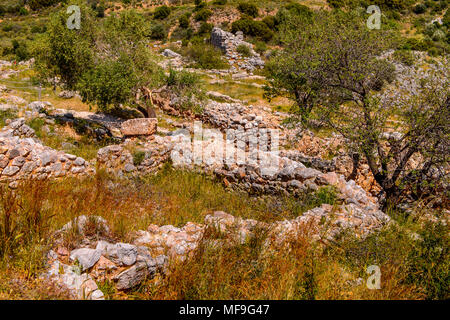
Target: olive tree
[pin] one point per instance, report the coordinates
(335, 69)
(63, 53)
(327, 57)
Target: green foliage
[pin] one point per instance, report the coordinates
(20, 49)
(189, 87)
(161, 12)
(203, 15)
(271, 22)
(65, 53)
(249, 9)
(138, 157)
(158, 32)
(404, 56)
(206, 56)
(384, 4)
(252, 28)
(220, 2)
(23, 11)
(429, 266)
(446, 19)
(416, 44)
(244, 50)
(299, 71)
(199, 4)
(109, 83)
(419, 8)
(205, 28)
(38, 4)
(260, 47)
(184, 21)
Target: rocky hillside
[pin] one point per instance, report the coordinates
(163, 151)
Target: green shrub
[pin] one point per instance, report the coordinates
(20, 49)
(205, 56)
(138, 157)
(429, 261)
(7, 27)
(184, 22)
(404, 56)
(23, 11)
(420, 8)
(100, 10)
(260, 47)
(38, 4)
(416, 44)
(187, 86)
(244, 50)
(249, 9)
(203, 15)
(220, 2)
(158, 32)
(252, 28)
(271, 22)
(161, 12)
(205, 28)
(199, 4)
(446, 19)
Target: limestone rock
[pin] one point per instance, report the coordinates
(139, 127)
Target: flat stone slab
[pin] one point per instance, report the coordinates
(139, 127)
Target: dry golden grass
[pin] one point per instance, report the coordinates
(302, 270)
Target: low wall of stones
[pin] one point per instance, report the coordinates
(23, 157)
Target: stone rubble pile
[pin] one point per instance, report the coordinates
(152, 250)
(79, 270)
(228, 43)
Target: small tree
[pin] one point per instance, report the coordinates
(64, 53)
(327, 58)
(335, 67)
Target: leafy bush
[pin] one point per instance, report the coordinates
(271, 22)
(108, 94)
(20, 49)
(249, 9)
(205, 28)
(7, 27)
(429, 261)
(260, 47)
(446, 19)
(206, 56)
(187, 86)
(416, 44)
(253, 28)
(220, 2)
(23, 11)
(37, 4)
(405, 57)
(184, 22)
(158, 32)
(244, 50)
(138, 157)
(161, 12)
(420, 8)
(203, 15)
(199, 4)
